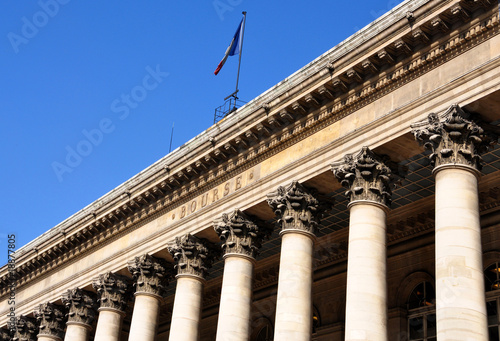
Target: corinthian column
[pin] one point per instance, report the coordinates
(114, 291)
(81, 306)
(25, 329)
(50, 318)
(368, 180)
(151, 276)
(242, 237)
(298, 213)
(456, 143)
(193, 257)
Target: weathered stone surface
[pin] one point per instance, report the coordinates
(151, 274)
(297, 208)
(241, 234)
(81, 305)
(50, 318)
(26, 329)
(366, 176)
(114, 290)
(193, 255)
(455, 137)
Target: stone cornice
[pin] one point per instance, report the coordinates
(170, 180)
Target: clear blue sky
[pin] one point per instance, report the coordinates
(71, 68)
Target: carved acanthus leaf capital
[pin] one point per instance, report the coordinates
(4, 335)
(151, 274)
(297, 208)
(193, 255)
(50, 318)
(455, 137)
(26, 329)
(81, 306)
(241, 234)
(366, 176)
(114, 291)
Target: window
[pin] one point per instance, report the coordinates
(422, 313)
(265, 334)
(492, 286)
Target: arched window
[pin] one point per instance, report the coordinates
(492, 288)
(422, 313)
(263, 331)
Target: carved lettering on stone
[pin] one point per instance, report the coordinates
(297, 208)
(193, 255)
(81, 306)
(453, 138)
(26, 329)
(114, 291)
(366, 176)
(151, 274)
(241, 234)
(50, 319)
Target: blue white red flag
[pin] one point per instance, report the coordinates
(234, 48)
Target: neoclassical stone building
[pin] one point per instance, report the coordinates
(359, 199)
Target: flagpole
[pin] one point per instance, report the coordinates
(240, 52)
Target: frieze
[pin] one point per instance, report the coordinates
(81, 306)
(151, 274)
(192, 255)
(241, 234)
(50, 319)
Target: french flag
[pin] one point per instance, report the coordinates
(234, 48)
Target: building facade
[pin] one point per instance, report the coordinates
(359, 199)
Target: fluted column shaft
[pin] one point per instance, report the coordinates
(366, 296)
(187, 309)
(109, 324)
(460, 298)
(294, 301)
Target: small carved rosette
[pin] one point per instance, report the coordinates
(26, 329)
(297, 208)
(193, 255)
(241, 234)
(114, 291)
(81, 306)
(151, 275)
(453, 138)
(50, 318)
(365, 176)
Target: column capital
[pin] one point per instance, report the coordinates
(367, 176)
(455, 137)
(151, 274)
(114, 291)
(297, 208)
(193, 256)
(4, 335)
(241, 234)
(51, 320)
(26, 329)
(81, 306)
